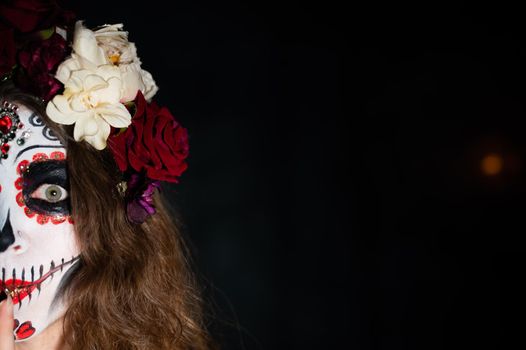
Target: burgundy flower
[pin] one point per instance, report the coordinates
(7, 50)
(155, 143)
(30, 15)
(38, 63)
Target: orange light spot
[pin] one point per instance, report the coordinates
(492, 164)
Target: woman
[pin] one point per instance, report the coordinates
(89, 258)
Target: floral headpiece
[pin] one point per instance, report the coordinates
(93, 79)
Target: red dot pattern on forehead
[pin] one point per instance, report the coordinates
(22, 167)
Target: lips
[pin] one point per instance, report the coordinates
(22, 288)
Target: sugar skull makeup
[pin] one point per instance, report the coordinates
(37, 241)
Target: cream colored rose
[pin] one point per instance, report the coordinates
(109, 45)
(122, 53)
(91, 101)
(86, 54)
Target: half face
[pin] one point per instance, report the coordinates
(37, 240)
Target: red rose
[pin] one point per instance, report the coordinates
(29, 15)
(38, 63)
(154, 143)
(7, 50)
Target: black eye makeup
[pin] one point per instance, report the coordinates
(46, 188)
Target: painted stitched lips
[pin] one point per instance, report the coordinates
(22, 284)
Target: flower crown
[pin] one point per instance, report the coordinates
(93, 80)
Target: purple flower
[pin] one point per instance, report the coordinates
(140, 198)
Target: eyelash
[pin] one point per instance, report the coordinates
(40, 193)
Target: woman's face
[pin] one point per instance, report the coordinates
(37, 241)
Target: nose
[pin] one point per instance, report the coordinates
(6, 236)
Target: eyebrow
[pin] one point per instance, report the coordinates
(36, 146)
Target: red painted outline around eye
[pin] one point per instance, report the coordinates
(38, 157)
(22, 167)
(57, 155)
(19, 183)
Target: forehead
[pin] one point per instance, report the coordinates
(31, 136)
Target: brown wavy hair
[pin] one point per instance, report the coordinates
(134, 287)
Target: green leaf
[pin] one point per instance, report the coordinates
(46, 33)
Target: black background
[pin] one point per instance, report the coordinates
(335, 197)
(439, 87)
(265, 200)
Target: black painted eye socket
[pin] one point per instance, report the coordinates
(46, 186)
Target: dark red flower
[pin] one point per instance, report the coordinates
(30, 15)
(155, 143)
(7, 50)
(38, 63)
(30, 48)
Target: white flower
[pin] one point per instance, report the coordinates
(122, 53)
(102, 73)
(86, 54)
(91, 102)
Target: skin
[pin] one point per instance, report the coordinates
(51, 338)
(6, 325)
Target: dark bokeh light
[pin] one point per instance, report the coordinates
(441, 89)
(492, 164)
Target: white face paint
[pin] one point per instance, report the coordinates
(37, 240)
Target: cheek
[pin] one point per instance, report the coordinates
(38, 239)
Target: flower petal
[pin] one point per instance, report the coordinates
(115, 115)
(98, 141)
(85, 45)
(150, 87)
(84, 127)
(58, 110)
(65, 68)
(94, 82)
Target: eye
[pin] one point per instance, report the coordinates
(50, 193)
